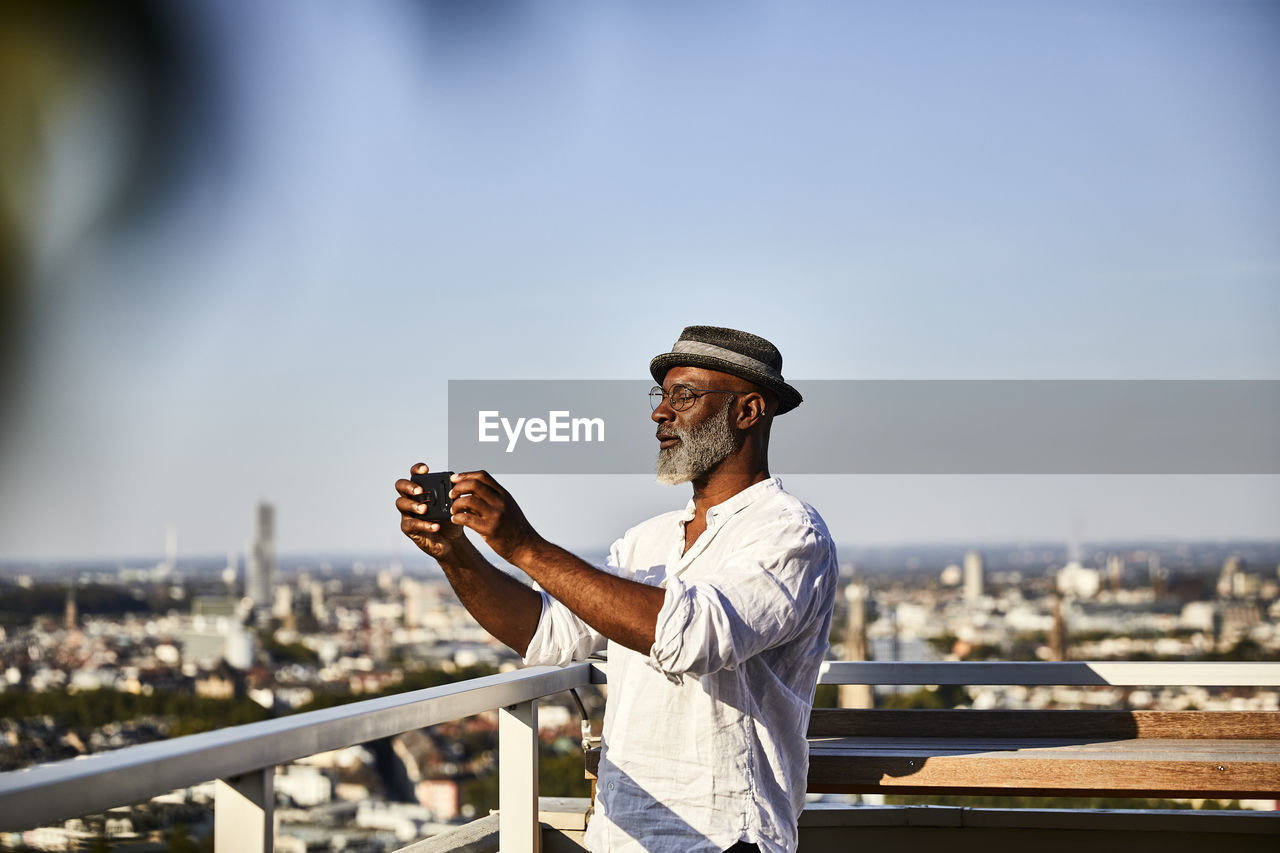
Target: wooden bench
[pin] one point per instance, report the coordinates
(1178, 754)
(1224, 754)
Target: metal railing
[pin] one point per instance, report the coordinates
(1056, 673)
(243, 758)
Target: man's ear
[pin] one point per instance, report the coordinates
(755, 407)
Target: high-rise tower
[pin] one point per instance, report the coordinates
(973, 579)
(70, 617)
(170, 564)
(855, 646)
(261, 569)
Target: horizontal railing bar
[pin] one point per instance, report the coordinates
(64, 789)
(1059, 673)
(479, 835)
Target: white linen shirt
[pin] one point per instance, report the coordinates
(704, 739)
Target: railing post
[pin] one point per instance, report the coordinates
(244, 812)
(518, 830)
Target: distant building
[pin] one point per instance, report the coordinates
(219, 684)
(1157, 575)
(317, 601)
(282, 607)
(1203, 616)
(1058, 635)
(439, 796)
(170, 564)
(214, 607)
(261, 569)
(231, 572)
(1075, 580)
(974, 582)
(1231, 581)
(70, 618)
(855, 646)
(414, 602)
(304, 785)
(1115, 573)
(241, 647)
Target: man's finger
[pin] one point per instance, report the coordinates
(473, 505)
(408, 487)
(488, 493)
(467, 480)
(470, 520)
(413, 525)
(410, 505)
(420, 468)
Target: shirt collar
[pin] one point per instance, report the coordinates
(716, 517)
(740, 501)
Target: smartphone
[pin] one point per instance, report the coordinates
(435, 494)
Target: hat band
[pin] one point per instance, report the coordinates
(699, 348)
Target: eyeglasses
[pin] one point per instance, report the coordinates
(680, 397)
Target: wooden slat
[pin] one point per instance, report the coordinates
(1259, 752)
(984, 774)
(1219, 725)
(1134, 748)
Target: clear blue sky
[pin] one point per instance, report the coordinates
(400, 194)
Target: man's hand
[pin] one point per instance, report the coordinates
(503, 605)
(487, 508)
(435, 538)
(620, 609)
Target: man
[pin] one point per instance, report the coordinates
(715, 618)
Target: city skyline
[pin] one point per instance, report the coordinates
(188, 655)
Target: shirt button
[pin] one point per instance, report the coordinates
(610, 786)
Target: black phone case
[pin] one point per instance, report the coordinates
(435, 494)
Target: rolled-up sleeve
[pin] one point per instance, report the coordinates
(756, 601)
(561, 637)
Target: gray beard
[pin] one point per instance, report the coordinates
(701, 448)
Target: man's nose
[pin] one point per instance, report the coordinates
(663, 413)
